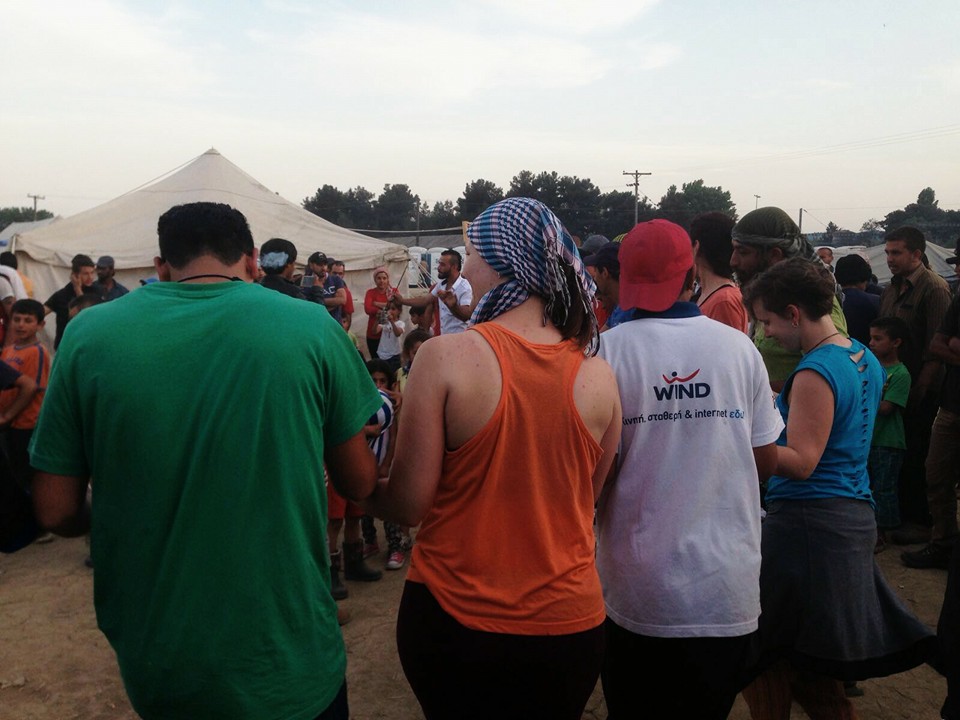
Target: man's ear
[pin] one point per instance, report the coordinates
(163, 269)
(250, 265)
(775, 255)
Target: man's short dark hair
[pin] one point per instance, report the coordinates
(910, 236)
(282, 247)
(28, 306)
(331, 263)
(81, 261)
(188, 232)
(87, 300)
(414, 310)
(852, 270)
(8, 259)
(455, 258)
(712, 230)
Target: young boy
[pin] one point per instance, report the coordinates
(390, 332)
(420, 321)
(887, 336)
(28, 356)
(382, 436)
(411, 343)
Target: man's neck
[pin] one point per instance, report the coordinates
(209, 270)
(108, 283)
(710, 282)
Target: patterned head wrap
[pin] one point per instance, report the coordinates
(527, 244)
(769, 227)
(377, 271)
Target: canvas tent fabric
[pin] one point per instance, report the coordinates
(126, 229)
(18, 228)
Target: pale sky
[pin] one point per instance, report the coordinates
(846, 109)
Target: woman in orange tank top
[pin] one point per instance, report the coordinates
(511, 429)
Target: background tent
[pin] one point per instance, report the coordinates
(126, 228)
(877, 258)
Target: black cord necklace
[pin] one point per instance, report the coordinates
(208, 275)
(822, 342)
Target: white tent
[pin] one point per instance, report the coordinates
(126, 229)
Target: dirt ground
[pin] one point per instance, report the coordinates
(55, 664)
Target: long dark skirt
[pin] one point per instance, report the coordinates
(826, 607)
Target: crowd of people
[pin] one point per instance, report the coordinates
(666, 458)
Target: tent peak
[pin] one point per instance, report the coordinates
(212, 151)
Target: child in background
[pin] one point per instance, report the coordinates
(28, 356)
(420, 321)
(390, 331)
(411, 343)
(345, 324)
(382, 436)
(887, 337)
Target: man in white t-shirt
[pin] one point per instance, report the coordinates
(679, 526)
(453, 291)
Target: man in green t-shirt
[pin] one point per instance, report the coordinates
(761, 239)
(204, 408)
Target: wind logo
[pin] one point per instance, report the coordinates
(677, 387)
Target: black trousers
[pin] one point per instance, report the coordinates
(338, 709)
(463, 674)
(653, 677)
(948, 635)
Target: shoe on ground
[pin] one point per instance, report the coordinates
(44, 538)
(930, 556)
(88, 561)
(397, 559)
(909, 535)
(370, 549)
(343, 616)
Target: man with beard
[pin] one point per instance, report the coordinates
(761, 239)
(453, 292)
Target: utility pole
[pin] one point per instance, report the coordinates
(757, 203)
(43, 197)
(800, 224)
(636, 191)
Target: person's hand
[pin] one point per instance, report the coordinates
(448, 298)
(77, 285)
(396, 397)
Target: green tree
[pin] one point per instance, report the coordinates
(396, 208)
(21, 214)
(544, 187)
(477, 196)
(579, 205)
(616, 212)
(938, 226)
(443, 215)
(358, 209)
(681, 206)
(328, 203)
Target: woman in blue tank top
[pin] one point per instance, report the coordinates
(827, 613)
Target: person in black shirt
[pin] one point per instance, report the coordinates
(83, 273)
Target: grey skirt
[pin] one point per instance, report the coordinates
(825, 604)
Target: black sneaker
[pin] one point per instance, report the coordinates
(930, 556)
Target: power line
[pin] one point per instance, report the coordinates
(636, 192)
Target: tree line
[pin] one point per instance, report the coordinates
(938, 226)
(579, 204)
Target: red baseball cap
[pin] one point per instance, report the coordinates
(655, 258)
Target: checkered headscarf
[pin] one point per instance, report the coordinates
(526, 243)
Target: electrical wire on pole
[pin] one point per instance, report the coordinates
(636, 192)
(43, 197)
